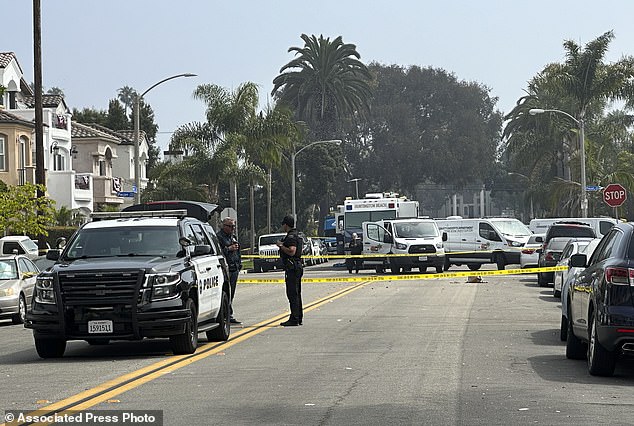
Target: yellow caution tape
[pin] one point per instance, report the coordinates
(407, 276)
(372, 255)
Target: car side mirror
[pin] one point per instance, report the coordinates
(387, 238)
(539, 239)
(53, 254)
(202, 250)
(444, 236)
(578, 260)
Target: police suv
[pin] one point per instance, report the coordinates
(131, 275)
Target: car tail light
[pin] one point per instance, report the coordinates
(528, 251)
(618, 276)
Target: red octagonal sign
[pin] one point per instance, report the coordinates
(614, 195)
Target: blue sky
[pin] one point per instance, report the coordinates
(92, 48)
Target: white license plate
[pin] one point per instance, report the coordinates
(422, 258)
(100, 326)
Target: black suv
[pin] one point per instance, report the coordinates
(131, 275)
(559, 229)
(601, 303)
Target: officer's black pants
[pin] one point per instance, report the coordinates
(293, 278)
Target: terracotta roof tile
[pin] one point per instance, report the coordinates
(125, 140)
(48, 101)
(6, 117)
(82, 131)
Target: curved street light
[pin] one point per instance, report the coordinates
(582, 149)
(137, 139)
(293, 155)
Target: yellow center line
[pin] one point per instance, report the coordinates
(121, 384)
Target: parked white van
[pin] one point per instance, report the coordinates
(474, 242)
(419, 237)
(601, 225)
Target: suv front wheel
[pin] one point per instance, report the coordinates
(187, 342)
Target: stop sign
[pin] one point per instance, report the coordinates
(614, 195)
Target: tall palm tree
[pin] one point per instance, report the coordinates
(325, 81)
(126, 96)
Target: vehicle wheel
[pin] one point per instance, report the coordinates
(556, 293)
(575, 348)
(408, 269)
(50, 348)
(187, 342)
(601, 362)
(263, 269)
(500, 261)
(439, 269)
(474, 266)
(98, 342)
(563, 329)
(379, 269)
(447, 264)
(222, 332)
(395, 269)
(422, 269)
(541, 281)
(20, 317)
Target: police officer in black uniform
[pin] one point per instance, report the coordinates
(291, 254)
(231, 250)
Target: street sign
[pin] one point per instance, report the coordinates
(593, 188)
(614, 195)
(125, 194)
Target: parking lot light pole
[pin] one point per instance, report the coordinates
(137, 138)
(580, 124)
(293, 155)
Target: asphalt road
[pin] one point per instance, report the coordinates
(429, 351)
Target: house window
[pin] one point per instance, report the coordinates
(102, 168)
(58, 162)
(3, 150)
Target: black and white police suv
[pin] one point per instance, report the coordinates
(132, 275)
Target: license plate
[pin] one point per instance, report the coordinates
(100, 326)
(422, 258)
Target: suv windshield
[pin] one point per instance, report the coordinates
(125, 241)
(415, 229)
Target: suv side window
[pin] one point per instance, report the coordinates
(605, 226)
(607, 246)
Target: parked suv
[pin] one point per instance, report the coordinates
(567, 229)
(131, 275)
(601, 303)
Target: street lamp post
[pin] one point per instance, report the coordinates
(137, 138)
(356, 185)
(580, 124)
(293, 155)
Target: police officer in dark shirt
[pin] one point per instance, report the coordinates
(291, 254)
(231, 250)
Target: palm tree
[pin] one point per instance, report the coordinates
(126, 96)
(326, 81)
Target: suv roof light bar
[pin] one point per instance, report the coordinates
(149, 213)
